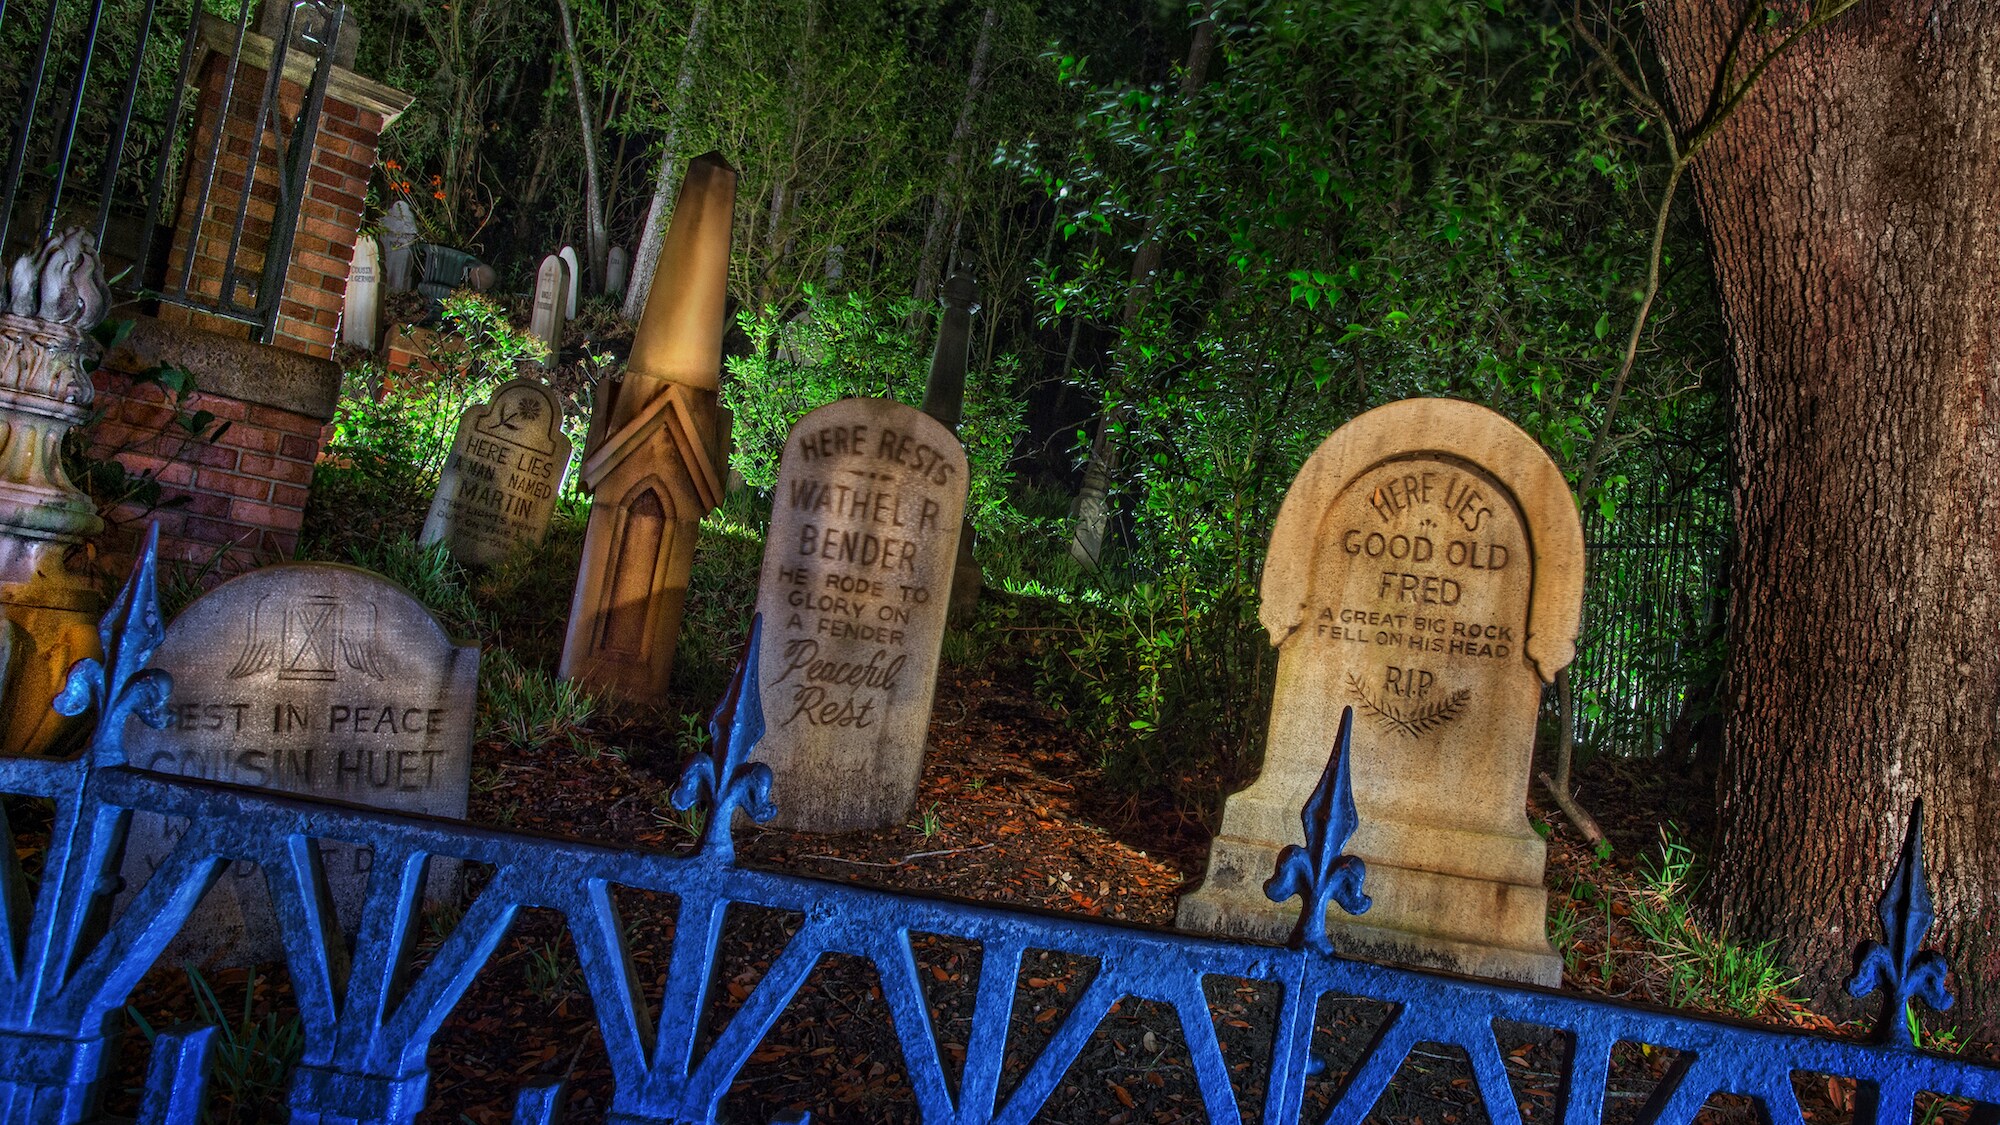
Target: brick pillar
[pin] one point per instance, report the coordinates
(355, 113)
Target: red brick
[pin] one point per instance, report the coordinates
(285, 420)
(252, 439)
(352, 131)
(340, 111)
(372, 122)
(317, 340)
(206, 504)
(275, 469)
(352, 169)
(217, 534)
(288, 495)
(261, 515)
(146, 416)
(300, 448)
(222, 406)
(232, 484)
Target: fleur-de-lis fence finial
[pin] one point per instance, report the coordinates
(1318, 872)
(1901, 967)
(121, 686)
(726, 776)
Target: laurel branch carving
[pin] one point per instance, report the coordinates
(1414, 722)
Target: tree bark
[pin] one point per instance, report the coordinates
(1852, 204)
(944, 204)
(647, 256)
(597, 237)
(1093, 502)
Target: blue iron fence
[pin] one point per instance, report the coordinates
(368, 1018)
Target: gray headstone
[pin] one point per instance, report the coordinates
(546, 320)
(364, 296)
(568, 255)
(499, 485)
(617, 268)
(399, 242)
(309, 678)
(855, 585)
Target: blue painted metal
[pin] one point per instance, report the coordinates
(1318, 872)
(1901, 969)
(368, 1018)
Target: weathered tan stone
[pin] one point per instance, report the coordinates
(1426, 569)
(310, 678)
(854, 591)
(658, 468)
(499, 486)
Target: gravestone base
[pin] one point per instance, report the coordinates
(1428, 919)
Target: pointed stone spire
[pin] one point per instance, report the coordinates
(944, 399)
(655, 463)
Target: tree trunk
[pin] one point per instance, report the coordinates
(647, 256)
(597, 238)
(1093, 502)
(944, 204)
(1851, 204)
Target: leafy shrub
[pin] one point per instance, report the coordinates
(841, 346)
(528, 709)
(1707, 968)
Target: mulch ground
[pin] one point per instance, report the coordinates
(1009, 813)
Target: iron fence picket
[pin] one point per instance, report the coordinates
(367, 1040)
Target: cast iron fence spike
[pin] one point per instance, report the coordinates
(1901, 967)
(1318, 872)
(726, 776)
(120, 686)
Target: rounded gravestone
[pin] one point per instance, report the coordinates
(854, 590)
(1426, 569)
(309, 678)
(500, 483)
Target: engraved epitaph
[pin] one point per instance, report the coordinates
(500, 483)
(363, 304)
(1426, 569)
(658, 465)
(399, 247)
(854, 590)
(545, 320)
(309, 678)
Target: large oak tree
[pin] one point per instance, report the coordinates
(1853, 205)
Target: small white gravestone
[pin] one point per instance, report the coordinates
(499, 486)
(545, 322)
(363, 306)
(1426, 569)
(568, 255)
(399, 244)
(855, 586)
(617, 267)
(309, 678)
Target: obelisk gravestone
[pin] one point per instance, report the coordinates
(309, 678)
(855, 586)
(499, 485)
(1426, 569)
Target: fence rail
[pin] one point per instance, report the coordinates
(368, 1020)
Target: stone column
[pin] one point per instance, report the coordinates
(55, 297)
(659, 465)
(944, 399)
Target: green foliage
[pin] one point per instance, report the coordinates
(432, 576)
(93, 466)
(391, 434)
(844, 345)
(253, 1055)
(527, 709)
(1707, 968)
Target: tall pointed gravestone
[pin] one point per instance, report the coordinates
(499, 486)
(944, 399)
(658, 468)
(546, 318)
(1426, 569)
(363, 305)
(855, 586)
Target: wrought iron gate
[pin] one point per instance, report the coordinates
(101, 134)
(367, 1025)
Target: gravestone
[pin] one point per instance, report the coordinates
(568, 255)
(363, 305)
(499, 486)
(854, 590)
(310, 678)
(399, 247)
(617, 268)
(545, 321)
(659, 458)
(1426, 569)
